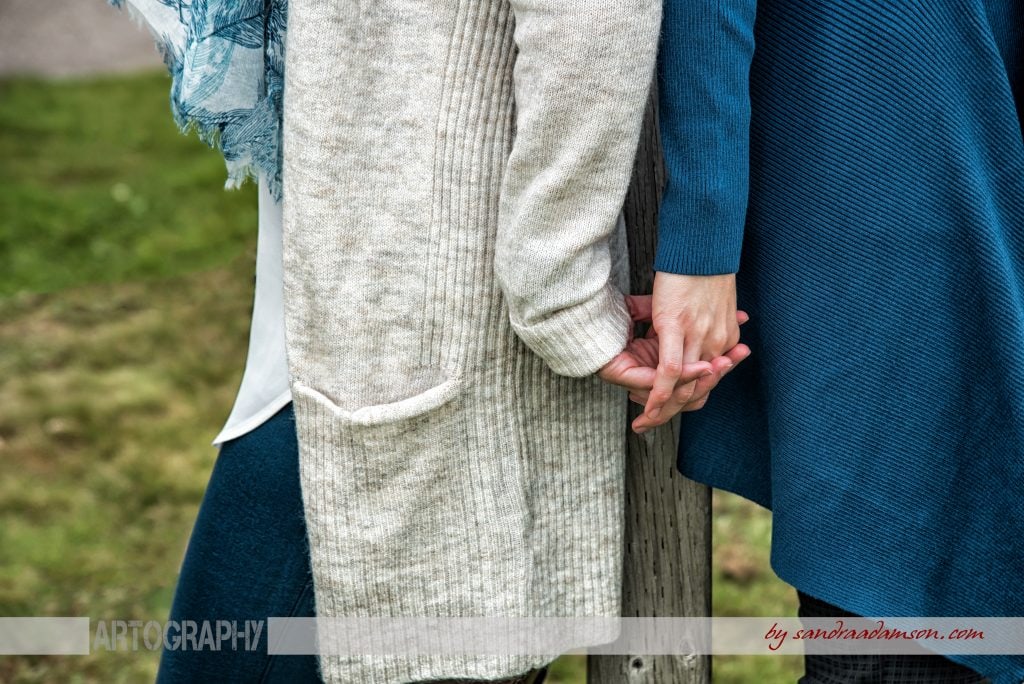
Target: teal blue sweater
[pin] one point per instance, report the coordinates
(861, 164)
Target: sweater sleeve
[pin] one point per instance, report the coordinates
(704, 109)
(581, 78)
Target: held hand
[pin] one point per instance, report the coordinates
(685, 395)
(636, 369)
(694, 318)
(689, 396)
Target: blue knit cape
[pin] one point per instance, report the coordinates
(226, 59)
(863, 164)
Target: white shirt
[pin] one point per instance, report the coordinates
(265, 387)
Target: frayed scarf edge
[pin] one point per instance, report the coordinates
(238, 170)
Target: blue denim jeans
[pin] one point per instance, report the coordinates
(247, 559)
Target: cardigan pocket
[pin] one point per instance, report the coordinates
(392, 412)
(397, 496)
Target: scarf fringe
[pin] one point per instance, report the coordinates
(247, 138)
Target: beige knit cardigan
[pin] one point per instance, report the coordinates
(453, 175)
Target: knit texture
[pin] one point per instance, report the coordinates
(881, 415)
(704, 101)
(454, 172)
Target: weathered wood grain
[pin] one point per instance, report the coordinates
(667, 565)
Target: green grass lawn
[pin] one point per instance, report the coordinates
(125, 295)
(96, 185)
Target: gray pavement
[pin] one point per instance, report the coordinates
(71, 38)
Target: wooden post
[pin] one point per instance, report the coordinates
(667, 568)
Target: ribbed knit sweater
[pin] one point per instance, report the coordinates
(453, 175)
(861, 164)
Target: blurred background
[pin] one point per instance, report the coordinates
(126, 283)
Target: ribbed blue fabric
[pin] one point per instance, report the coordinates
(703, 75)
(881, 415)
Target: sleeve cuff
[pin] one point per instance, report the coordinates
(696, 254)
(700, 234)
(579, 340)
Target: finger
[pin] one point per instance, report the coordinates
(695, 405)
(670, 368)
(742, 316)
(738, 353)
(644, 422)
(631, 377)
(694, 348)
(720, 366)
(690, 374)
(684, 394)
(638, 378)
(640, 307)
(645, 351)
(681, 395)
(692, 395)
(687, 394)
(641, 395)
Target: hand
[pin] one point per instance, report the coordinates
(635, 367)
(690, 396)
(694, 318)
(671, 394)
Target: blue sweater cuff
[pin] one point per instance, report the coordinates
(700, 235)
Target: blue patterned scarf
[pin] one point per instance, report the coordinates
(226, 59)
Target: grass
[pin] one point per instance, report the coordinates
(743, 585)
(112, 395)
(125, 297)
(96, 185)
